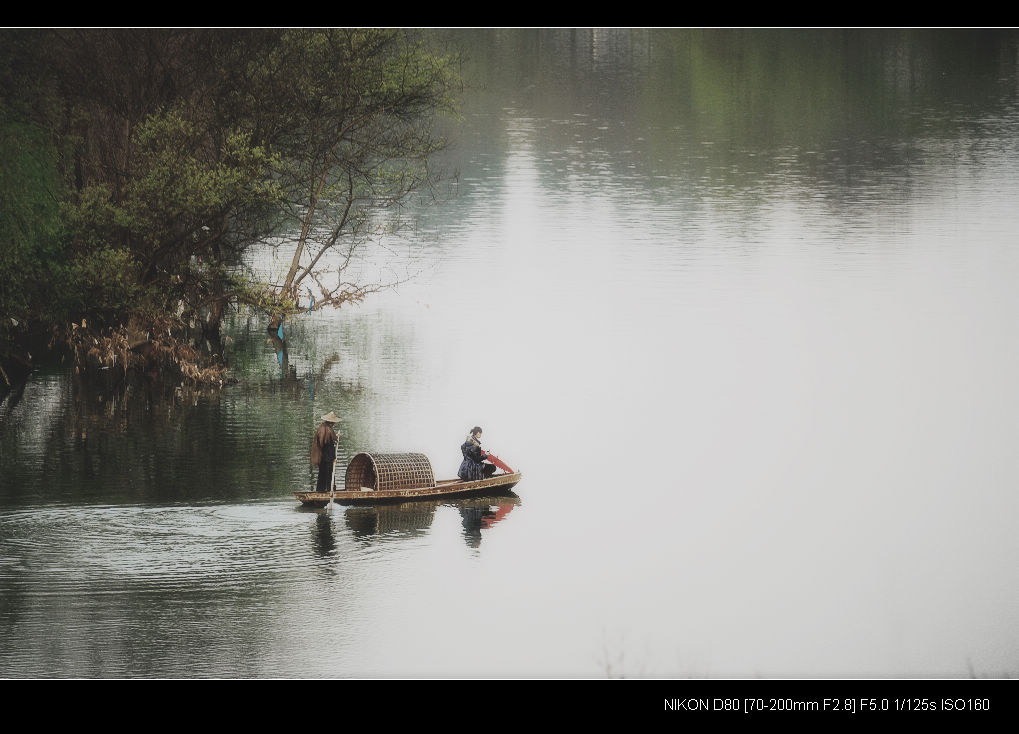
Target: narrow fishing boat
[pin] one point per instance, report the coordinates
(373, 477)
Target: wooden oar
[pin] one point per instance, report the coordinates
(332, 487)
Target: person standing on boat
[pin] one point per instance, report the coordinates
(473, 466)
(323, 451)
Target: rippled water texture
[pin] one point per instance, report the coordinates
(257, 589)
(741, 306)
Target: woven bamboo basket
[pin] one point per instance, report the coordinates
(383, 472)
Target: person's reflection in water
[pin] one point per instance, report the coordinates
(475, 519)
(325, 542)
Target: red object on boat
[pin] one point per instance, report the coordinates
(499, 463)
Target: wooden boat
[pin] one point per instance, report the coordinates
(374, 478)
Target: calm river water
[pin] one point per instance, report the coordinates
(741, 306)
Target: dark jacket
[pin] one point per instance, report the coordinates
(323, 447)
(471, 468)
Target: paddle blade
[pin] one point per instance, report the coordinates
(500, 463)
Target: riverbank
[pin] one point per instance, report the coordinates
(20, 356)
(151, 350)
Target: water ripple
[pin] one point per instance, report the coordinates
(155, 546)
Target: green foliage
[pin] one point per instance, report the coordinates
(30, 225)
(178, 185)
(91, 219)
(168, 232)
(181, 149)
(103, 285)
(355, 138)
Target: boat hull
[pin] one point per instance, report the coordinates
(447, 488)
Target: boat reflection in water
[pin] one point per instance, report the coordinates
(413, 519)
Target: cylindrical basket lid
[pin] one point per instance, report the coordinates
(382, 472)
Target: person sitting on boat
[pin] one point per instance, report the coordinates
(473, 466)
(323, 451)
